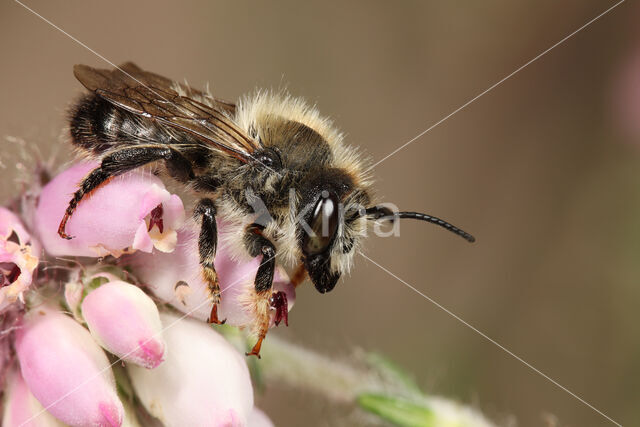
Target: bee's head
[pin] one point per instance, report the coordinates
(333, 220)
(326, 220)
(328, 225)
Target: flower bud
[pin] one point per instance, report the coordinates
(18, 258)
(131, 212)
(66, 370)
(22, 409)
(203, 380)
(125, 321)
(176, 278)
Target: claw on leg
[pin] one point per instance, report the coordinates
(262, 308)
(63, 224)
(276, 301)
(213, 317)
(213, 286)
(255, 351)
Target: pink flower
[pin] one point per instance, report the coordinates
(18, 258)
(22, 409)
(126, 322)
(176, 278)
(131, 212)
(66, 370)
(203, 381)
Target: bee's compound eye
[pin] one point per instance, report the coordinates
(323, 224)
(270, 159)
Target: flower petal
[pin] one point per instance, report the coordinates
(21, 408)
(111, 221)
(18, 258)
(125, 321)
(176, 278)
(66, 370)
(203, 381)
(10, 223)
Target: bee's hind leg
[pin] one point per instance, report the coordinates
(207, 243)
(264, 300)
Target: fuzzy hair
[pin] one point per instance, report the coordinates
(250, 110)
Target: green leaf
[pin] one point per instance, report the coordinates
(97, 282)
(398, 411)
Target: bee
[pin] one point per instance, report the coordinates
(270, 166)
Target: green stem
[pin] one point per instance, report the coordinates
(373, 384)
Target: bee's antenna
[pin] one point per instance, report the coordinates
(381, 212)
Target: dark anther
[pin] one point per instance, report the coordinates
(14, 238)
(278, 302)
(156, 218)
(9, 276)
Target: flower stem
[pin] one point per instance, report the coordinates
(370, 382)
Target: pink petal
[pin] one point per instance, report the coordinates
(176, 278)
(203, 381)
(9, 223)
(106, 222)
(66, 370)
(125, 321)
(18, 258)
(174, 212)
(142, 241)
(21, 408)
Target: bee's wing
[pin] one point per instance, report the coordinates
(150, 95)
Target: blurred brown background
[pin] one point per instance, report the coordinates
(538, 169)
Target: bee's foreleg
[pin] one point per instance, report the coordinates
(207, 243)
(257, 245)
(121, 161)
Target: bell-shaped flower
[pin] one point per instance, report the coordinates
(18, 258)
(131, 212)
(204, 380)
(176, 278)
(21, 408)
(66, 370)
(125, 321)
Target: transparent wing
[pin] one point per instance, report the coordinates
(150, 95)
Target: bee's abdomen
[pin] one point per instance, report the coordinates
(98, 126)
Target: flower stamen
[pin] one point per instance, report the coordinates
(156, 218)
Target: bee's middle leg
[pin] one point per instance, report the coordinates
(264, 300)
(207, 243)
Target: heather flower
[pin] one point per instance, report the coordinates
(177, 369)
(126, 322)
(18, 258)
(203, 380)
(66, 370)
(131, 212)
(21, 408)
(176, 278)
